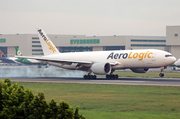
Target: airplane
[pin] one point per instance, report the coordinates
(5, 59)
(103, 62)
(27, 61)
(177, 65)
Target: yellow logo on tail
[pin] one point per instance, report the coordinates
(47, 41)
(50, 46)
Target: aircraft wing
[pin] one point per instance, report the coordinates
(62, 61)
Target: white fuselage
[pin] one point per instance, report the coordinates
(13, 59)
(146, 58)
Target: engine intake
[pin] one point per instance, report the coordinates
(101, 68)
(140, 70)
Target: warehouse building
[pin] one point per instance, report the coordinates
(173, 40)
(29, 44)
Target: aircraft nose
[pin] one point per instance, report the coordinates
(170, 60)
(173, 59)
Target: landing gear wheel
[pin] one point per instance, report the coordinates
(111, 76)
(85, 76)
(93, 76)
(47, 66)
(90, 77)
(39, 66)
(116, 76)
(161, 75)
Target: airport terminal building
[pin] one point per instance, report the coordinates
(173, 40)
(29, 44)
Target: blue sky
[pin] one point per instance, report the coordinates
(89, 17)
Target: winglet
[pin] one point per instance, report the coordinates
(47, 45)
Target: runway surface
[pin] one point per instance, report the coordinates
(103, 80)
(51, 74)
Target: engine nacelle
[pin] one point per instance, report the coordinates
(140, 70)
(101, 68)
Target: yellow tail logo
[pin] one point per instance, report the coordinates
(50, 46)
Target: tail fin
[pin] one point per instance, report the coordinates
(18, 52)
(2, 54)
(47, 45)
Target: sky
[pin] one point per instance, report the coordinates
(89, 17)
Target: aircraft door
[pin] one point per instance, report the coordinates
(153, 57)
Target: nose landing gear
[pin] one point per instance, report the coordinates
(161, 74)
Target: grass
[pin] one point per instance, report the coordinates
(99, 101)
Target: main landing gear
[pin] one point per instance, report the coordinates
(108, 76)
(39, 66)
(90, 76)
(111, 76)
(161, 74)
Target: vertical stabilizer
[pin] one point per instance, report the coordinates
(2, 54)
(47, 45)
(22, 60)
(18, 52)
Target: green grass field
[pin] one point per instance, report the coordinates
(114, 101)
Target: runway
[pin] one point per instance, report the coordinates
(103, 80)
(51, 74)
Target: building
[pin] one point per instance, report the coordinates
(173, 40)
(29, 44)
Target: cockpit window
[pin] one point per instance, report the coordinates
(168, 56)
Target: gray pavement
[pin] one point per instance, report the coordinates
(103, 80)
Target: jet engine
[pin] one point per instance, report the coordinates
(139, 70)
(101, 68)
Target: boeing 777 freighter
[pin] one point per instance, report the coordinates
(103, 62)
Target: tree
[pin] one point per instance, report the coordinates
(1, 102)
(77, 115)
(16, 102)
